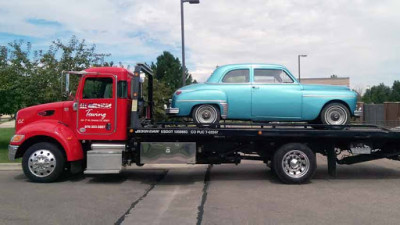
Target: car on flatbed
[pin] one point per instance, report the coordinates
(262, 92)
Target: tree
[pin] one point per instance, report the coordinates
(377, 94)
(14, 72)
(160, 99)
(395, 96)
(168, 78)
(30, 78)
(168, 69)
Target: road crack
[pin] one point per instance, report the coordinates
(133, 205)
(204, 196)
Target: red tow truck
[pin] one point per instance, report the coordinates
(109, 125)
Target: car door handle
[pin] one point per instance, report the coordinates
(256, 87)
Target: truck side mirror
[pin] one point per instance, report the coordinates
(75, 106)
(71, 97)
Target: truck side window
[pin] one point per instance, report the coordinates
(98, 88)
(122, 89)
(237, 76)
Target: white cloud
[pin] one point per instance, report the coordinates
(348, 38)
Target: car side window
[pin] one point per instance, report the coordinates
(98, 88)
(271, 76)
(237, 76)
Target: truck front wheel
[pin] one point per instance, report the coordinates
(294, 163)
(43, 162)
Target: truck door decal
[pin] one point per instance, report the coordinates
(97, 105)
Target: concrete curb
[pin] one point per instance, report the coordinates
(10, 166)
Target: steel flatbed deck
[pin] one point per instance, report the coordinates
(260, 131)
(231, 142)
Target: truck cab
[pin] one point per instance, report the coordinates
(54, 136)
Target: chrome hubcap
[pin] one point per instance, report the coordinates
(295, 164)
(42, 163)
(206, 114)
(336, 115)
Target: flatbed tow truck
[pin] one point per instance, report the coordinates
(109, 125)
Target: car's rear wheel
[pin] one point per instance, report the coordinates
(206, 115)
(335, 114)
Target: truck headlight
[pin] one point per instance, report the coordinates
(17, 138)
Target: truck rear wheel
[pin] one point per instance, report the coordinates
(294, 163)
(43, 162)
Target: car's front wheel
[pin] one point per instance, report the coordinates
(335, 114)
(206, 115)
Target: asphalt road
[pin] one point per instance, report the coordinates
(222, 194)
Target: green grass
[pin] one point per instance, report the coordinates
(5, 136)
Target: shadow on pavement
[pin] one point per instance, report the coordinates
(359, 172)
(244, 172)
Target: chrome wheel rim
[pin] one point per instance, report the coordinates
(295, 164)
(336, 115)
(206, 114)
(42, 163)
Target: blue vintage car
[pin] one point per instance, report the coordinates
(262, 92)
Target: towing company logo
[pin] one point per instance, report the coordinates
(95, 106)
(89, 113)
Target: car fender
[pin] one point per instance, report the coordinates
(312, 106)
(55, 130)
(187, 100)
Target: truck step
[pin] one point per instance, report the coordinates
(102, 171)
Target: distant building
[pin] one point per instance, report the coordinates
(333, 80)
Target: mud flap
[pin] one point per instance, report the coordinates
(331, 155)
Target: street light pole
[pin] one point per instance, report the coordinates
(299, 63)
(183, 45)
(183, 38)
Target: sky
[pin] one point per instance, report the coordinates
(359, 39)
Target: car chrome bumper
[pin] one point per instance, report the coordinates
(172, 111)
(12, 151)
(358, 113)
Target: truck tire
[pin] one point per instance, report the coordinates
(335, 114)
(43, 162)
(206, 115)
(294, 163)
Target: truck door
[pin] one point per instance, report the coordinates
(97, 104)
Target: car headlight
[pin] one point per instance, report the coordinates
(17, 138)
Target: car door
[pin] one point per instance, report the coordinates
(275, 95)
(236, 85)
(97, 104)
